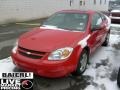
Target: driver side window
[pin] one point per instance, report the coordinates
(96, 20)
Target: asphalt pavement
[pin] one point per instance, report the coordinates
(9, 33)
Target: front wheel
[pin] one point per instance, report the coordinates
(106, 42)
(82, 63)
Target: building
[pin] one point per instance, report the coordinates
(22, 10)
(98, 5)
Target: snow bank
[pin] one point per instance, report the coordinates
(102, 64)
(115, 25)
(114, 39)
(6, 65)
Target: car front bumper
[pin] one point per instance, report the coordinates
(45, 68)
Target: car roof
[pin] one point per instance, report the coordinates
(78, 11)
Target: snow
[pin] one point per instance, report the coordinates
(90, 87)
(55, 28)
(6, 65)
(51, 27)
(115, 25)
(102, 64)
(83, 42)
(108, 85)
(114, 39)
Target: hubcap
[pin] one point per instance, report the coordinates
(83, 62)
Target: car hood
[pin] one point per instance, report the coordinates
(48, 40)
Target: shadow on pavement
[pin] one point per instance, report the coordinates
(5, 52)
(65, 83)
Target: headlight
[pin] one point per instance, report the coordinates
(60, 54)
(14, 50)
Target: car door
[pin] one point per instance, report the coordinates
(105, 28)
(95, 39)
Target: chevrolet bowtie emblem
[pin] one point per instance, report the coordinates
(28, 52)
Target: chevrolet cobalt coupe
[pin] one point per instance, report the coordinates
(62, 44)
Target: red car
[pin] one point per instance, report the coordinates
(62, 44)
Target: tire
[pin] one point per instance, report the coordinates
(106, 42)
(82, 63)
(118, 78)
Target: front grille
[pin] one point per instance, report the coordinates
(30, 53)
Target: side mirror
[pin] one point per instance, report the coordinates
(97, 27)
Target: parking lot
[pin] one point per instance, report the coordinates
(104, 59)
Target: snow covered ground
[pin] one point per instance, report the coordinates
(103, 66)
(6, 65)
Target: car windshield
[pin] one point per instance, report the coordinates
(69, 21)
